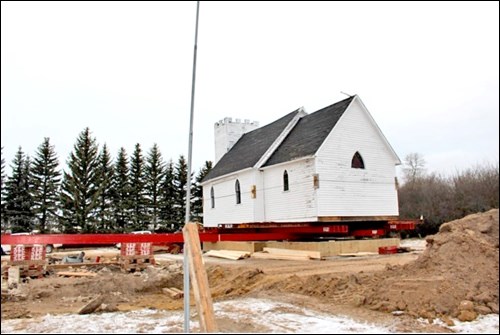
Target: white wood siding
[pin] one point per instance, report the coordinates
(226, 210)
(296, 204)
(345, 191)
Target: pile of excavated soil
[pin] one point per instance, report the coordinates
(456, 276)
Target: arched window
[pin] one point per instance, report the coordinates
(212, 197)
(285, 181)
(238, 191)
(357, 161)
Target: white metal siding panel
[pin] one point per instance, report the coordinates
(296, 204)
(345, 191)
(226, 210)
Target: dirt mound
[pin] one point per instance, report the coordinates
(457, 275)
(230, 283)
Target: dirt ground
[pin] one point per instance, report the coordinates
(455, 277)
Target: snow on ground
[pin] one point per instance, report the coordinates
(484, 324)
(249, 315)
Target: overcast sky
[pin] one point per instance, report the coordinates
(427, 72)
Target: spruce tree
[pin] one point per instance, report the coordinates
(80, 189)
(105, 203)
(121, 192)
(45, 185)
(137, 190)
(3, 221)
(3, 173)
(180, 183)
(154, 175)
(197, 208)
(18, 201)
(168, 194)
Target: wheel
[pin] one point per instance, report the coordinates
(49, 248)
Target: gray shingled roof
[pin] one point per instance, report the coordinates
(309, 133)
(304, 140)
(250, 148)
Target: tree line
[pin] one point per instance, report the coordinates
(95, 194)
(439, 199)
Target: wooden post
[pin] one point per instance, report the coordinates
(199, 279)
(14, 276)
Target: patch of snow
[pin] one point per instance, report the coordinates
(286, 318)
(266, 315)
(484, 324)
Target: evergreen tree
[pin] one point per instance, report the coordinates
(168, 194)
(154, 175)
(105, 176)
(197, 208)
(3, 173)
(121, 192)
(18, 201)
(180, 184)
(80, 189)
(3, 221)
(45, 185)
(137, 190)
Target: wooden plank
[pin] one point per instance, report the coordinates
(136, 257)
(199, 279)
(172, 293)
(358, 254)
(228, 254)
(14, 276)
(77, 274)
(177, 290)
(28, 262)
(92, 305)
(293, 252)
(265, 255)
(67, 265)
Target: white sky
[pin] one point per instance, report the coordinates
(427, 72)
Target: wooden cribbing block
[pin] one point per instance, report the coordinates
(292, 252)
(173, 292)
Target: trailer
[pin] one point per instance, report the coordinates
(262, 231)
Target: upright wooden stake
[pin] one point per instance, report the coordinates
(199, 279)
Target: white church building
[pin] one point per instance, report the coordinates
(332, 165)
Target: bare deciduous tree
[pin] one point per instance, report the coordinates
(414, 166)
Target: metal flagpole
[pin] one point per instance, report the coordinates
(188, 191)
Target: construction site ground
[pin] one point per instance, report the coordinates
(442, 283)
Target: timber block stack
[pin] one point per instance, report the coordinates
(136, 256)
(29, 258)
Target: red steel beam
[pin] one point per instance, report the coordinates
(319, 230)
(90, 238)
(68, 239)
(368, 232)
(402, 224)
(243, 232)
